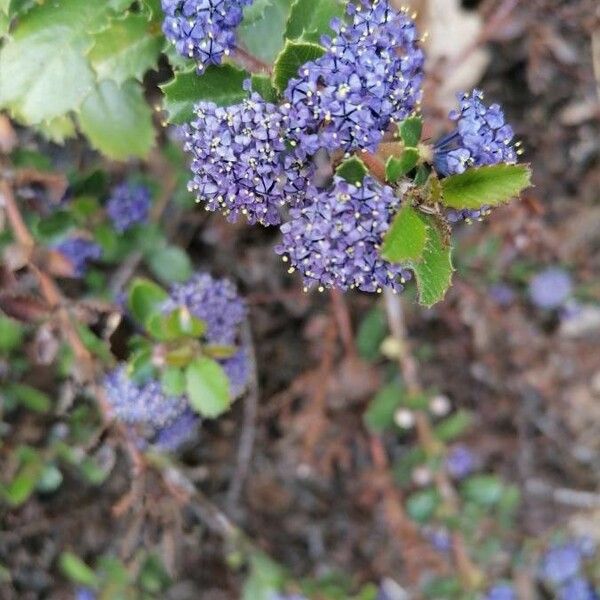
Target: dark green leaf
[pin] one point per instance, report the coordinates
(55, 224)
(353, 170)
(117, 120)
(395, 168)
(421, 176)
(140, 366)
(30, 397)
(222, 85)
(145, 299)
(77, 571)
(263, 85)
(170, 264)
(380, 413)
(310, 19)
(485, 186)
(371, 332)
(207, 387)
(407, 237)
(421, 505)
(23, 484)
(434, 271)
(291, 58)
(410, 131)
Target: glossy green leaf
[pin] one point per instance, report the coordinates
(263, 85)
(170, 264)
(145, 299)
(484, 490)
(371, 333)
(406, 239)
(291, 58)
(126, 48)
(29, 397)
(207, 387)
(117, 120)
(310, 19)
(380, 413)
(485, 186)
(353, 170)
(397, 167)
(222, 85)
(11, 333)
(172, 380)
(410, 131)
(454, 426)
(434, 271)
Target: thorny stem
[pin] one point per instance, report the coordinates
(468, 572)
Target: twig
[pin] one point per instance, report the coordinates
(343, 320)
(468, 572)
(248, 435)
(375, 165)
(248, 61)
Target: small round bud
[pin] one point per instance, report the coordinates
(422, 476)
(404, 418)
(440, 405)
(391, 348)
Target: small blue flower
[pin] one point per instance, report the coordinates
(502, 591)
(128, 205)
(203, 30)
(560, 564)
(551, 288)
(577, 588)
(84, 593)
(460, 462)
(79, 251)
(334, 240)
(171, 437)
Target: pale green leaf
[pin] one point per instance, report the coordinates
(485, 186)
(125, 49)
(117, 120)
(170, 264)
(207, 387)
(222, 85)
(353, 170)
(410, 131)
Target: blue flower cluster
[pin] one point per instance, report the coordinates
(128, 205)
(370, 75)
(203, 30)
(501, 591)
(239, 161)
(334, 240)
(551, 288)
(481, 138)
(168, 421)
(79, 251)
(460, 462)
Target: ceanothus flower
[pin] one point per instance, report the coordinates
(370, 75)
(175, 434)
(550, 288)
(240, 162)
(561, 563)
(502, 591)
(79, 251)
(203, 30)
(482, 137)
(460, 462)
(334, 240)
(577, 588)
(128, 205)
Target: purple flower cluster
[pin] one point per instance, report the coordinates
(203, 30)
(79, 251)
(370, 75)
(128, 205)
(481, 138)
(460, 462)
(562, 568)
(550, 288)
(334, 240)
(501, 591)
(168, 421)
(240, 163)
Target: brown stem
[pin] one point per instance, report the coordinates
(468, 572)
(375, 165)
(343, 320)
(249, 61)
(15, 219)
